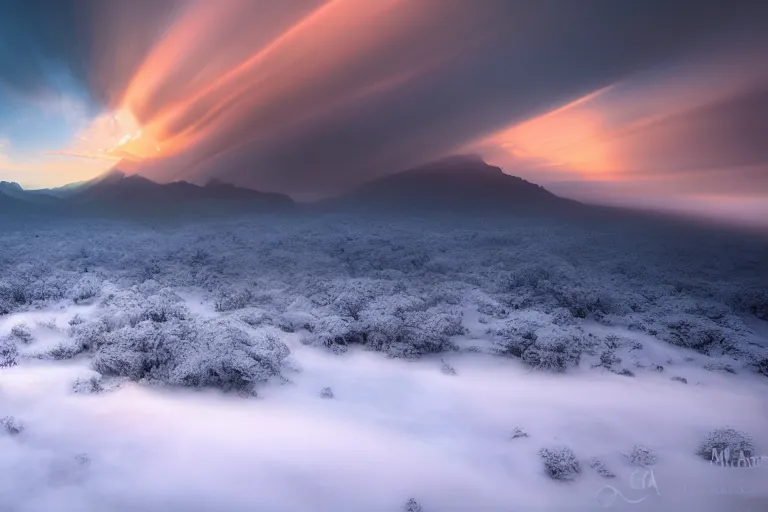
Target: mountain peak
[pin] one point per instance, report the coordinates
(10, 186)
(456, 164)
(454, 183)
(110, 176)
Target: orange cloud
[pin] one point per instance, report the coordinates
(304, 57)
(650, 128)
(572, 137)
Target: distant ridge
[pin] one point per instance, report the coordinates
(460, 184)
(14, 190)
(116, 192)
(456, 183)
(10, 204)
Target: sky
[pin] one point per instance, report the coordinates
(660, 104)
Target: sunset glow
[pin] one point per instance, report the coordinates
(311, 97)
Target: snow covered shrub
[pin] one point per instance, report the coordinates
(721, 439)
(679, 379)
(530, 276)
(8, 353)
(234, 299)
(518, 433)
(519, 332)
(354, 297)
(21, 332)
(493, 309)
(64, 350)
(446, 368)
(254, 317)
(553, 355)
(11, 426)
(45, 289)
(335, 333)
(560, 463)
(697, 333)
(608, 359)
(87, 288)
(326, 393)
(626, 372)
(138, 352)
(49, 324)
(412, 506)
(402, 326)
(76, 320)
(762, 367)
(756, 302)
(641, 456)
(122, 307)
(583, 300)
(601, 468)
(540, 344)
(719, 367)
(215, 353)
(612, 341)
(88, 335)
(88, 386)
(83, 459)
(14, 294)
(163, 306)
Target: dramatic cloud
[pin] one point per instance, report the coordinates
(689, 134)
(312, 97)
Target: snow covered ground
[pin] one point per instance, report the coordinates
(337, 364)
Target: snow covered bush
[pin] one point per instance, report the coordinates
(232, 300)
(641, 456)
(699, 334)
(22, 333)
(404, 326)
(214, 353)
(88, 335)
(541, 344)
(8, 353)
(601, 468)
(164, 306)
(754, 301)
(560, 463)
(64, 350)
(88, 386)
(519, 433)
(87, 288)
(447, 369)
(724, 438)
(412, 506)
(553, 355)
(11, 426)
(334, 332)
(608, 359)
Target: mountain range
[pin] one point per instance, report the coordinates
(457, 183)
(120, 193)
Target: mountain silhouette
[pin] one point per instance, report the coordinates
(117, 192)
(13, 190)
(456, 183)
(10, 204)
